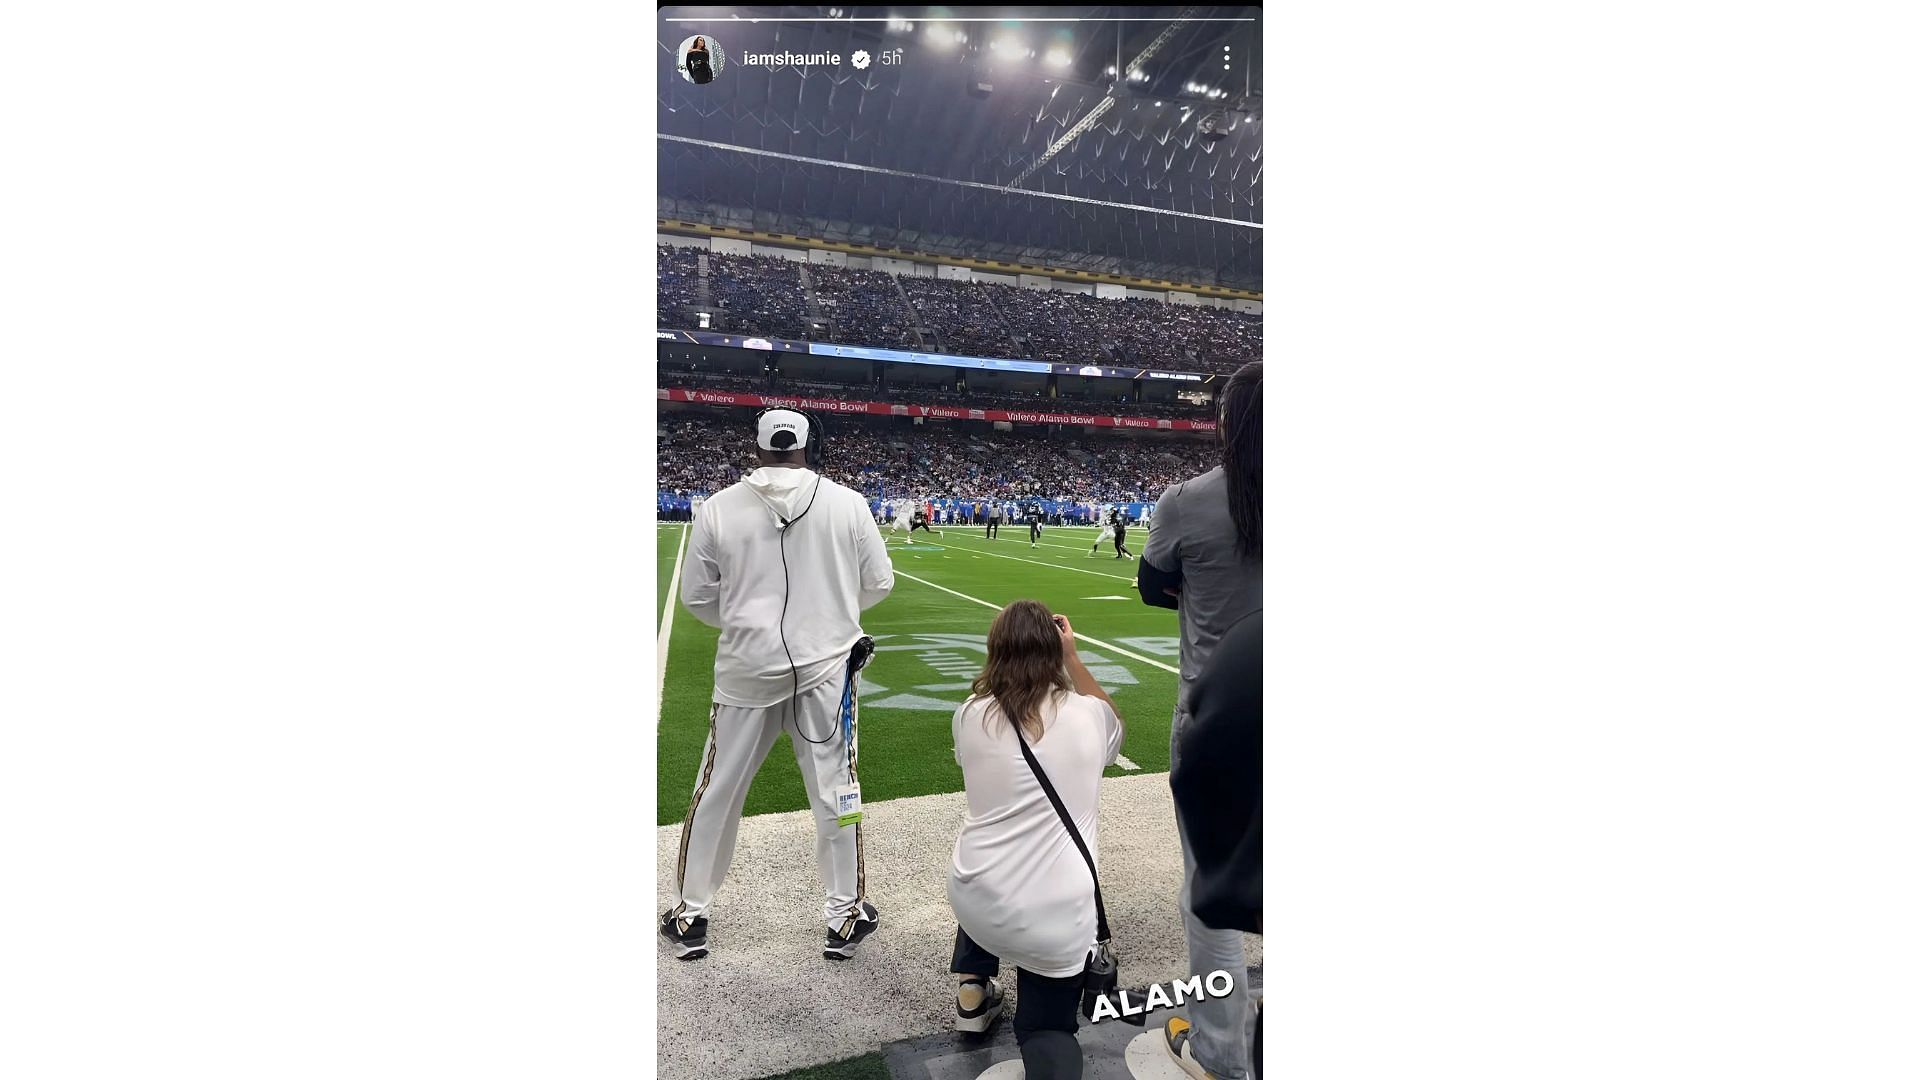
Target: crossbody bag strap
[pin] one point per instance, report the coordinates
(1046, 785)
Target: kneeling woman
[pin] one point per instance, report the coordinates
(1019, 887)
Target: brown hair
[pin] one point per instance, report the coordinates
(1026, 665)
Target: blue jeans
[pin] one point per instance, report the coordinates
(1223, 1027)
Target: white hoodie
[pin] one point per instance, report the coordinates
(836, 567)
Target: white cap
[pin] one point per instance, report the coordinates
(782, 429)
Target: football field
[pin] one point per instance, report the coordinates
(931, 641)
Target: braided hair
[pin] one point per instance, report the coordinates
(1240, 437)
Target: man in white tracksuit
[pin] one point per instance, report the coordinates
(835, 567)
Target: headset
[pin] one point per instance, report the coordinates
(816, 435)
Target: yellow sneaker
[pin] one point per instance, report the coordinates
(1178, 1038)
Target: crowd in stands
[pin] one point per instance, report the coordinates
(702, 453)
(1051, 325)
(1217, 339)
(923, 395)
(760, 294)
(713, 380)
(1137, 328)
(862, 307)
(960, 314)
(766, 295)
(679, 285)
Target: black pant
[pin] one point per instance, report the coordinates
(918, 525)
(1046, 1004)
(993, 529)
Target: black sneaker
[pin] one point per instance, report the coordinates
(843, 939)
(984, 1012)
(687, 936)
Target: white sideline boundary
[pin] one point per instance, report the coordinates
(1128, 653)
(666, 616)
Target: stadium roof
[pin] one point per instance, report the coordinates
(1123, 147)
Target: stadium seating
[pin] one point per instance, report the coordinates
(766, 295)
(961, 314)
(679, 285)
(1053, 326)
(759, 294)
(922, 395)
(700, 452)
(862, 307)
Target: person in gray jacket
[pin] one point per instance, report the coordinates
(1203, 559)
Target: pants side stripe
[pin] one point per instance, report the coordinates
(700, 789)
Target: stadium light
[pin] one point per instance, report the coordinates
(1059, 58)
(939, 35)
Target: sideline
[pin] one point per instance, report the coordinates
(666, 619)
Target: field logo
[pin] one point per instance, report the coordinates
(945, 664)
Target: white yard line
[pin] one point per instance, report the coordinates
(1087, 529)
(1043, 543)
(1091, 641)
(1037, 562)
(666, 618)
(1126, 763)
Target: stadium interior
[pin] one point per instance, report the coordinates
(1009, 260)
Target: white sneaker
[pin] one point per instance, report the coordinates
(987, 1000)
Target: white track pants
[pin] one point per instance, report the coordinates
(737, 742)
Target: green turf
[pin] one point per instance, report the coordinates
(864, 1067)
(907, 750)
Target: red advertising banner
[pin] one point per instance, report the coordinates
(938, 412)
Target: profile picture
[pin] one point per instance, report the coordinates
(701, 59)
